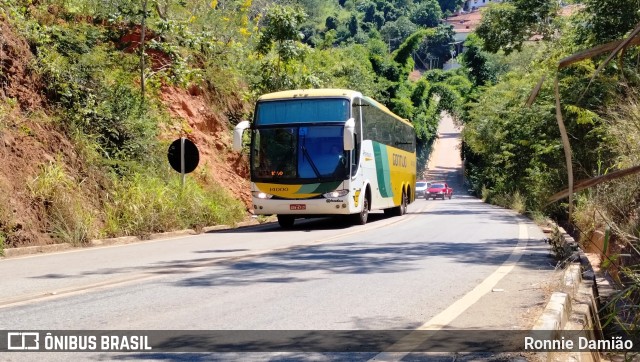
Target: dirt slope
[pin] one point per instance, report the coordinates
(210, 132)
(29, 140)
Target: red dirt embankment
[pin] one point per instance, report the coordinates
(30, 140)
(208, 128)
(27, 141)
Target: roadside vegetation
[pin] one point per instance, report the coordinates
(512, 143)
(98, 71)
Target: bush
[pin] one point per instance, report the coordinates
(518, 203)
(144, 204)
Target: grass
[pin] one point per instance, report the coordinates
(3, 240)
(7, 106)
(485, 194)
(146, 204)
(139, 204)
(63, 205)
(518, 203)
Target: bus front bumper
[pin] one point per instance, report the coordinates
(338, 206)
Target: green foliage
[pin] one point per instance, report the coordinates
(119, 121)
(68, 214)
(427, 14)
(485, 193)
(450, 99)
(282, 32)
(606, 20)
(436, 45)
(353, 25)
(477, 62)
(507, 25)
(146, 203)
(403, 53)
(420, 93)
(395, 32)
(500, 28)
(613, 207)
(511, 148)
(461, 84)
(344, 68)
(280, 45)
(331, 23)
(450, 5)
(518, 203)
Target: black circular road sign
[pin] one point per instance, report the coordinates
(191, 155)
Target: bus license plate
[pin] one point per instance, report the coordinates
(297, 207)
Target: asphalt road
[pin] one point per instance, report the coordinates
(455, 263)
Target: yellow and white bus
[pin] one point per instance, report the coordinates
(320, 152)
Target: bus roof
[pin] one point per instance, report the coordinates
(302, 93)
(328, 92)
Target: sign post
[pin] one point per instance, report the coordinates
(182, 173)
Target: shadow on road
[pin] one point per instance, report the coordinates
(358, 258)
(308, 224)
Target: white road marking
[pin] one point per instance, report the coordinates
(413, 340)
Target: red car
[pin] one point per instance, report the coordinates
(439, 189)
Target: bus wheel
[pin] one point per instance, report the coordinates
(400, 209)
(403, 204)
(361, 217)
(286, 221)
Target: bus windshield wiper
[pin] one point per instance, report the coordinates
(305, 153)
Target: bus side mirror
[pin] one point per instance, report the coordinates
(237, 135)
(348, 136)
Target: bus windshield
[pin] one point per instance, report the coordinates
(299, 153)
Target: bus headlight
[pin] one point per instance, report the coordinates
(336, 193)
(261, 195)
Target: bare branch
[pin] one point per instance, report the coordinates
(620, 46)
(535, 91)
(566, 145)
(595, 51)
(588, 183)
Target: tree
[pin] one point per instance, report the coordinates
(395, 32)
(282, 32)
(506, 26)
(437, 45)
(281, 36)
(450, 5)
(500, 28)
(369, 10)
(476, 62)
(353, 25)
(378, 19)
(391, 13)
(403, 53)
(608, 20)
(331, 23)
(427, 14)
